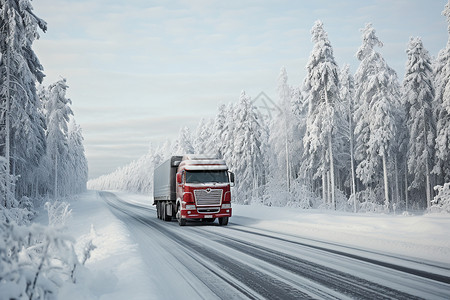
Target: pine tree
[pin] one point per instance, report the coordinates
(299, 115)
(21, 117)
(442, 109)
(280, 138)
(418, 95)
(183, 145)
(58, 114)
(377, 114)
(226, 136)
(78, 163)
(216, 142)
(203, 135)
(249, 146)
(347, 95)
(322, 89)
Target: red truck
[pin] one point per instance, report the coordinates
(193, 187)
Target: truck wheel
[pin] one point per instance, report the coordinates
(181, 221)
(223, 221)
(161, 212)
(166, 217)
(158, 210)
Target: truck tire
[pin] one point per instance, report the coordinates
(223, 221)
(166, 217)
(181, 221)
(158, 210)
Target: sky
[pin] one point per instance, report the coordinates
(138, 70)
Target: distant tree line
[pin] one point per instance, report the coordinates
(360, 142)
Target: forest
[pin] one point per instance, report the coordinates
(42, 145)
(42, 162)
(362, 142)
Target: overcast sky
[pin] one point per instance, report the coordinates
(137, 70)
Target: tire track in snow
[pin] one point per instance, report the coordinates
(420, 273)
(344, 283)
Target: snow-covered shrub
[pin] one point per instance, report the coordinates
(16, 215)
(85, 245)
(367, 201)
(301, 196)
(27, 203)
(58, 213)
(35, 261)
(276, 195)
(7, 181)
(342, 203)
(441, 202)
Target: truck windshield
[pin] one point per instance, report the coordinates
(206, 176)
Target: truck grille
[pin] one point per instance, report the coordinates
(202, 197)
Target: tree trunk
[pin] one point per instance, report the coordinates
(330, 149)
(288, 179)
(352, 160)
(397, 182)
(8, 133)
(386, 186)
(324, 187)
(56, 176)
(328, 188)
(406, 185)
(333, 197)
(427, 158)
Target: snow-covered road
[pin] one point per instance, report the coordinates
(207, 261)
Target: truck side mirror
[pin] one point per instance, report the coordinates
(231, 178)
(179, 178)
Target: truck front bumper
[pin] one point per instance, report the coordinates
(205, 213)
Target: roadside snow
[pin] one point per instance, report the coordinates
(115, 269)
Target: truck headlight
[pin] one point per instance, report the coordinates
(228, 205)
(190, 207)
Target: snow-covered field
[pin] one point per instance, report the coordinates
(118, 269)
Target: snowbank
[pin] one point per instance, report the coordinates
(425, 237)
(115, 268)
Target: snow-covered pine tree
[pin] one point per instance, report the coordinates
(78, 162)
(321, 87)
(280, 138)
(21, 118)
(299, 113)
(203, 135)
(227, 135)
(347, 95)
(418, 94)
(58, 112)
(249, 144)
(215, 142)
(442, 109)
(376, 115)
(8, 199)
(183, 144)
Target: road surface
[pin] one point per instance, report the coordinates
(208, 261)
